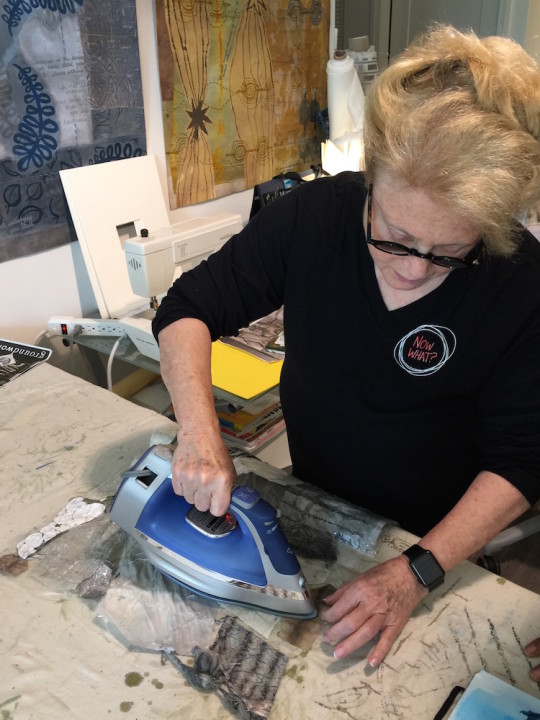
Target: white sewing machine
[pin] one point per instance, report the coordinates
(155, 259)
(113, 205)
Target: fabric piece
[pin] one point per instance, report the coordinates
(71, 95)
(240, 92)
(68, 560)
(313, 521)
(77, 512)
(240, 666)
(95, 586)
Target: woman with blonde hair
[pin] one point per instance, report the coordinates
(411, 295)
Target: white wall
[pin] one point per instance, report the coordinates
(532, 35)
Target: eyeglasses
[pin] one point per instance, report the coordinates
(393, 248)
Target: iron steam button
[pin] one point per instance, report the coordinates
(245, 497)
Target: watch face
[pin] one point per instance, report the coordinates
(427, 569)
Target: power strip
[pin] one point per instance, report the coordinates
(62, 325)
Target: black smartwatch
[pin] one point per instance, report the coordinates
(425, 566)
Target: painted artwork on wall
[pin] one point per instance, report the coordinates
(70, 96)
(241, 85)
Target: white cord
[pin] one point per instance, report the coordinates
(111, 358)
(39, 336)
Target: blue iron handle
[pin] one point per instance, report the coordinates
(247, 501)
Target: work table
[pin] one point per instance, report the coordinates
(64, 438)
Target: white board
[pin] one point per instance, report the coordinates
(104, 200)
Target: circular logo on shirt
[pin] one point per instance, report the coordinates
(425, 349)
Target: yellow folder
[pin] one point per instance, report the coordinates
(239, 373)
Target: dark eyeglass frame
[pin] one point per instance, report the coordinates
(446, 261)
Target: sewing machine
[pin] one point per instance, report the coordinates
(155, 259)
(129, 248)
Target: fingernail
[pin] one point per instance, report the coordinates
(373, 662)
(338, 653)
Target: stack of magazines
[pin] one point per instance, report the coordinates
(253, 423)
(263, 338)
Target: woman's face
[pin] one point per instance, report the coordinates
(407, 215)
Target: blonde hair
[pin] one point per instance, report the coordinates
(459, 117)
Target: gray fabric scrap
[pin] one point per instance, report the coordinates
(70, 558)
(313, 513)
(240, 666)
(95, 586)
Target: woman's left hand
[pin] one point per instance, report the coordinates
(380, 600)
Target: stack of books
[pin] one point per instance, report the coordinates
(252, 423)
(246, 371)
(264, 338)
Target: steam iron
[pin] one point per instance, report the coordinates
(241, 557)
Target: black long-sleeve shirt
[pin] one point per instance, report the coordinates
(396, 410)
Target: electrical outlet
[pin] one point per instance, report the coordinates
(63, 325)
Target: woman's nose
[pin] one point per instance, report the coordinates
(416, 268)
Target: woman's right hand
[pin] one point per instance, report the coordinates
(202, 470)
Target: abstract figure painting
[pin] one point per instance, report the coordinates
(251, 92)
(70, 95)
(241, 85)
